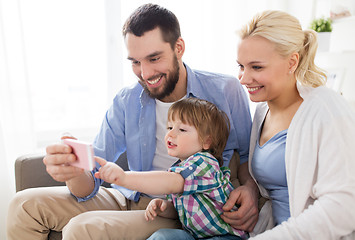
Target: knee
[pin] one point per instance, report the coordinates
(20, 202)
(72, 227)
(169, 234)
(19, 208)
(78, 227)
(161, 234)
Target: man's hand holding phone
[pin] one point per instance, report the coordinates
(58, 162)
(84, 153)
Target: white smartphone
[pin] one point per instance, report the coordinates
(84, 153)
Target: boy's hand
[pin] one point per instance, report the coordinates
(154, 208)
(109, 171)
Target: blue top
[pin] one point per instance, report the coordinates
(269, 170)
(129, 124)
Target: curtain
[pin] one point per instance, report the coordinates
(16, 132)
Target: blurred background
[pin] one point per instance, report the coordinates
(62, 62)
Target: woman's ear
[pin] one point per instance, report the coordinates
(179, 48)
(293, 62)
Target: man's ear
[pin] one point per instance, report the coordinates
(179, 47)
(293, 62)
(206, 144)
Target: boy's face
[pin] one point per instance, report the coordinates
(182, 140)
(154, 62)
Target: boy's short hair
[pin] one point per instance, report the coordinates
(208, 120)
(150, 16)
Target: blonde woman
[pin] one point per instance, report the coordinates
(302, 140)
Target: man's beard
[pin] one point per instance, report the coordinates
(169, 85)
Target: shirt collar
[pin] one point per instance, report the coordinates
(192, 84)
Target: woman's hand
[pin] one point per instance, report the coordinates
(246, 217)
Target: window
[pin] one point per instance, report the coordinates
(65, 54)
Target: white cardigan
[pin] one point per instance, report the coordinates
(320, 169)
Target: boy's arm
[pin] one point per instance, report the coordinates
(153, 182)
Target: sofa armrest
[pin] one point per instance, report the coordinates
(30, 172)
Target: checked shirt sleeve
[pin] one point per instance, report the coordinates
(201, 174)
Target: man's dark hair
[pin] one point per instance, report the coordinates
(150, 16)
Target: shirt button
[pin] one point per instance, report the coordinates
(190, 168)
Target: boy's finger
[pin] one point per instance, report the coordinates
(100, 161)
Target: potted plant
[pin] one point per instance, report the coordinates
(323, 26)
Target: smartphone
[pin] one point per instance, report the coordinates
(84, 153)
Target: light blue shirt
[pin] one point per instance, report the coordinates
(129, 124)
(269, 170)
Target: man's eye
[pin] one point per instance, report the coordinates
(154, 59)
(135, 62)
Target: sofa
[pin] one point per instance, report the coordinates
(30, 172)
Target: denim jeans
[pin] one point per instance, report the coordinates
(179, 234)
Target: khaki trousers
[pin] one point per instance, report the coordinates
(109, 215)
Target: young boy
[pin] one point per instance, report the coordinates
(197, 187)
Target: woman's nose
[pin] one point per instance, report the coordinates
(244, 78)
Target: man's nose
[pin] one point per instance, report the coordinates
(146, 71)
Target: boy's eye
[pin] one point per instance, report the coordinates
(241, 67)
(182, 130)
(169, 128)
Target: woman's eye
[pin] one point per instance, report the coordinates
(257, 67)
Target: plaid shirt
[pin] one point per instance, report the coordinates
(206, 190)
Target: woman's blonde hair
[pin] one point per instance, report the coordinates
(286, 33)
(208, 120)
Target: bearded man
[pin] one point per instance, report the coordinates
(136, 124)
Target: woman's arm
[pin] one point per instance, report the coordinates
(246, 217)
